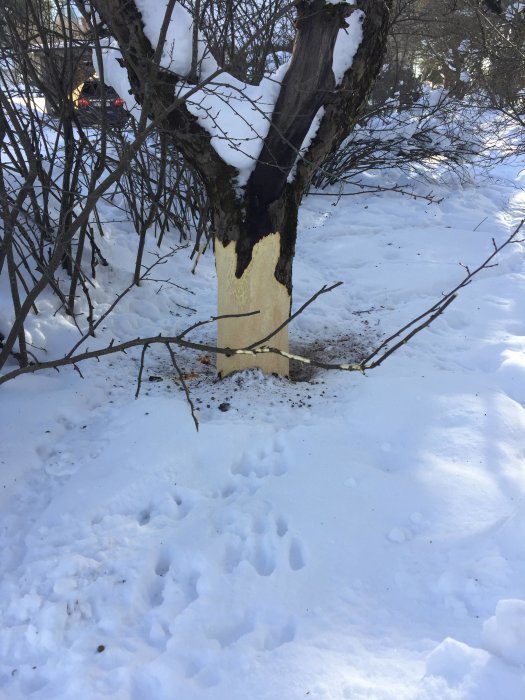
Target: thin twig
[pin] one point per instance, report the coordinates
(141, 369)
(184, 385)
(323, 290)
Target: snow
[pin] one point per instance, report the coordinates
(513, 11)
(116, 75)
(177, 49)
(504, 634)
(310, 135)
(346, 45)
(336, 537)
(238, 117)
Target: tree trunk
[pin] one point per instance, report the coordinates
(254, 258)
(259, 290)
(254, 250)
(254, 233)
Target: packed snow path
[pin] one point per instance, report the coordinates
(337, 538)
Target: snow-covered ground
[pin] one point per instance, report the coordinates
(334, 537)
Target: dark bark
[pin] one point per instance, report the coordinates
(308, 84)
(492, 6)
(350, 99)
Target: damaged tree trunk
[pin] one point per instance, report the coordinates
(254, 269)
(257, 289)
(255, 230)
(254, 250)
(254, 274)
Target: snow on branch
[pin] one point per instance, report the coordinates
(177, 50)
(237, 116)
(346, 45)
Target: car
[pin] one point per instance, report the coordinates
(93, 99)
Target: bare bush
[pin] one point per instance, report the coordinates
(56, 173)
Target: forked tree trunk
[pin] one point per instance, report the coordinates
(254, 258)
(255, 233)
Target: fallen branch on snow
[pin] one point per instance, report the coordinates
(386, 348)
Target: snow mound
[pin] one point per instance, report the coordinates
(453, 661)
(458, 671)
(511, 534)
(512, 374)
(504, 633)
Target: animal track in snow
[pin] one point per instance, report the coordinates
(233, 630)
(277, 636)
(265, 462)
(174, 585)
(163, 565)
(205, 676)
(264, 634)
(177, 508)
(144, 517)
(184, 504)
(156, 596)
(61, 464)
(258, 551)
(281, 526)
(263, 541)
(65, 446)
(296, 556)
(228, 490)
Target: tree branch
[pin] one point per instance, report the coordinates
(381, 352)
